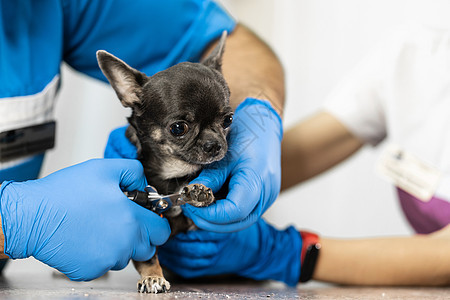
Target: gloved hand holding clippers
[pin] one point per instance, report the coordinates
(79, 221)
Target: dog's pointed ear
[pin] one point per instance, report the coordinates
(214, 60)
(126, 81)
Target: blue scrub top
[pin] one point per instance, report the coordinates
(150, 35)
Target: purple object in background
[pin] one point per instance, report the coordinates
(425, 217)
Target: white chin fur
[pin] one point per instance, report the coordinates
(178, 168)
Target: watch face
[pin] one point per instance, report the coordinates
(309, 264)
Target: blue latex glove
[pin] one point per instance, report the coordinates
(118, 146)
(252, 162)
(259, 252)
(253, 165)
(79, 221)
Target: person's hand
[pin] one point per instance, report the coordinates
(259, 252)
(252, 165)
(79, 221)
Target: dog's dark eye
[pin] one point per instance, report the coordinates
(179, 128)
(227, 121)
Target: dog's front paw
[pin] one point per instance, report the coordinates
(197, 195)
(153, 284)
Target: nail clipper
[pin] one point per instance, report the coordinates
(154, 201)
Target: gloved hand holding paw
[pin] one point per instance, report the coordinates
(252, 166)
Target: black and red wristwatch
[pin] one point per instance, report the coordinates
(309, 255)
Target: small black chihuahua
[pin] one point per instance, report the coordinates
(179, 123)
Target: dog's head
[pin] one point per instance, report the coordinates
(184, 110)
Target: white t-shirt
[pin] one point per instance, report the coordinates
(402, 91)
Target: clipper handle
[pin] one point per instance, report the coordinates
(140, 198)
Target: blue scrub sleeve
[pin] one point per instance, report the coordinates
(149, 35)
(27, 170)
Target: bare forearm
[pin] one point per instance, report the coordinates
(252, 69)
(418, 260)
(313, 146)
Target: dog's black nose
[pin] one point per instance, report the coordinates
(212, 147)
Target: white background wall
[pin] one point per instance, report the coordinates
(318, 41)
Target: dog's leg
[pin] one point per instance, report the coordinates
(197, 195)
(152, 279)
